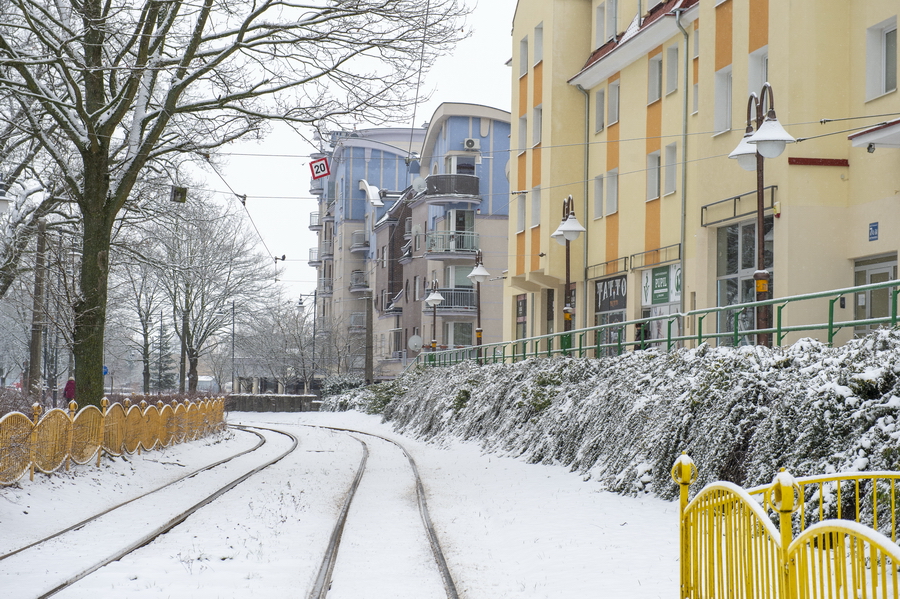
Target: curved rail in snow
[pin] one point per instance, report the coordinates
(172, 522)
(323, 579)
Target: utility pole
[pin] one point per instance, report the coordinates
(370, 366)
(37, 315)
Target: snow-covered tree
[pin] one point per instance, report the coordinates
(131, 83)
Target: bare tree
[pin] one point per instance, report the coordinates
(205, 257)
(129, 83)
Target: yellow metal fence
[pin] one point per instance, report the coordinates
(827, 536)
(49, 443)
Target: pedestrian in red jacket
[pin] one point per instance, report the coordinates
(69, 391)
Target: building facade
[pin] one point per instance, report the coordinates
(396, 223)
(632, 108)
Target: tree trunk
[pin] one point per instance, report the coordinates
(145, 358)
(193, 359)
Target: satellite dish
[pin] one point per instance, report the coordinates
(415, 342)
(418, 184)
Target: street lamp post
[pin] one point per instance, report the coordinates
(434, 298)
(568, 231)
(478, 275)
(767, 141)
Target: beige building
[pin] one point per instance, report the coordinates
(633, 110)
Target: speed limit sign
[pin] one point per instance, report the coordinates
(319, 168)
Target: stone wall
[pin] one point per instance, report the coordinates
(245, 402)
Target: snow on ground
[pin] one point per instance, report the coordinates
(508, 529)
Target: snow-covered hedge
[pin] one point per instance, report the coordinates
(740, 413)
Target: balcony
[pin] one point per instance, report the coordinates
(326, 250)
(326, 287)
(357, 322)
(458, 300)
(315, 221)
(407, 228)
(452, 189)
(390, 303)
(406, 253)
(359, 241)
(359, 282)
(317, 186)
(448, 245)
(314, 259)
(328, 217)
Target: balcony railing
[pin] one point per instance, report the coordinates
(314, 259)
(451, 241)
(407, 228)
(357, 320)
(315, 221)
(358, 281)
(452, 188)
(359, 241)
(326, 249)
(329, 213)
(455, 299)
(326, 286)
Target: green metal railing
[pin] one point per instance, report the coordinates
(610, 339)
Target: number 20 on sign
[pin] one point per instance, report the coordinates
(319, 168)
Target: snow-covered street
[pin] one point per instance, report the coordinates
(508, 529)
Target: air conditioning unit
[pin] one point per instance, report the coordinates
(472, 144)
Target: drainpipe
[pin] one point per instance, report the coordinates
(684, 140)
(584, 210)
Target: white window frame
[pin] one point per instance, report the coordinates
(539, 43)
(520, 213)
(599, 110)
(696, 98)
(612, 191)
(757, 70)
(417, 288)
(612, 102)
(523, 57)
(724, 100)
(671, 168)
(537, 125)
(612, 17)
(654, 79)
(671, 69)
(523, 134)
(653, 175)
(878, 83)
(600, 25)
(696, 44)
(598, 196)
(535, 206)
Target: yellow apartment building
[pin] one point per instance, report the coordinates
(633, 107)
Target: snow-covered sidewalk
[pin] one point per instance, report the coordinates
(508, 529)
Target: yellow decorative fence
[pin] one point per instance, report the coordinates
(49, 443)
(835, 537)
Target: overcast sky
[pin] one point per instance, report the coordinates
(277, 184)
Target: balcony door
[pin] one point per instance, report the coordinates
(875, 303)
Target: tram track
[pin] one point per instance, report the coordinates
(22, 554)
(322, 582)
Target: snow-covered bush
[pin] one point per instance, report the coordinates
(740, 413)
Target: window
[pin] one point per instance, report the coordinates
(520, 213)
(539, 43)
(671, 68)
(874, 303)
(612, 191)
(458, 334)
(417, 288)
(735, 265)
(523, 133)
(758, 70)
(654, 79)
(600, 26)
(696, 43)
(881, 58)
(535, 206)
(723, 100)
(537, 124)
(652, 176)
(612, 15)
(696, 92)
(599, 108)
(521, 316)
(613, 103)
(671, 166)
(598, 196)
(523, 57)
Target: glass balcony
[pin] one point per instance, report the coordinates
(314, 259)
(359, 281)
(452, 189)
(359, 241)
(315, 221)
